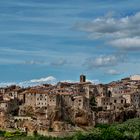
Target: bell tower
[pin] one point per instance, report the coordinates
(82, 78)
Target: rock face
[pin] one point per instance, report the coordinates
(138, 113)
(31, 126)
(109, 117)
(81, 118)
(59, 126)
(26, 111)
(5, 120)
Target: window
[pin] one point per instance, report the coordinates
(115, 101)
(121, 101)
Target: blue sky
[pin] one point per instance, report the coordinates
(64, 38)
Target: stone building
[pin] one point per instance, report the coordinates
(78, 102)
(111, 103)
(9, 105)
(30, 97)
(41, 100)
(102, 90)
(135, 77)
(15, 92)
(54, 100)
(133, 99)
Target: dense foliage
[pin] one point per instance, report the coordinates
(129, 130)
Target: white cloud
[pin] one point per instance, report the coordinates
(123, 33)
(96, 81)
(33, 82)
(6, 61)
(59, 62)
(5, 84)
(34, 62)
(47, 79)
(107, 26)
(127, 43)
(104, 61)
(113, 72)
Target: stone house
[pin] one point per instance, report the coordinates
(30, 97)
(90, 91)
(118, 89)
(111, 103)
(8, 89)
(78, 102)
(102, 90)
(41, 100)
(9, 105)
(2, 90)
(135, 77)
(75, 101)
(15, 93)
(53, 100)
(133, 99)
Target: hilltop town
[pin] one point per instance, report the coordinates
(66, 107)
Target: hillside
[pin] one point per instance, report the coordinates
(128, 130)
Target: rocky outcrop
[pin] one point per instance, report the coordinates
(109, 117)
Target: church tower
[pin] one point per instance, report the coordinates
(82, 78)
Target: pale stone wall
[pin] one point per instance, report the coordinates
(102, 90)
(133, 99)
(41, 100)
(30, 99)
(110, 103)
(13, 94)
(127, 97)
(52, 100)
(78, 102)
(9, 106)
(135, 77)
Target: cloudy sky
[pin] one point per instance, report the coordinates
(60, 39)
